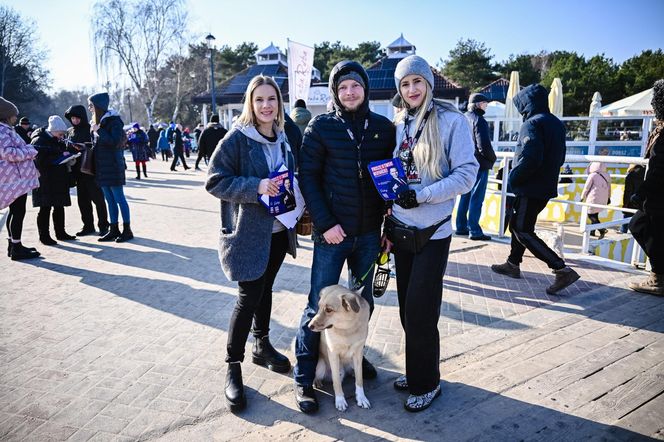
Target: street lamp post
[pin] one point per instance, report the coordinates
(210, 41)
(128, 92)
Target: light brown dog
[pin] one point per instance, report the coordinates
(343, 322)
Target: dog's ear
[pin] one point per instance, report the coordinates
(349, 303)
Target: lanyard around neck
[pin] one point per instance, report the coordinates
(359, 145)
(411, 143)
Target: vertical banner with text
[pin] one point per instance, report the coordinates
(300, 65)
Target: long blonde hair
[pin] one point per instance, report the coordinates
(428, 153)
(247, 116)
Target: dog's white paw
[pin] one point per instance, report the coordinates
(361, 399)
(340, 403)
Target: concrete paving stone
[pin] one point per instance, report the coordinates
(82, 435)
(170, 405)
(103, 394)
(198, 405)
(107, 424)
(131, 393)
(179, 394)
(30, 397)
(22, 431)
(157, 378)
(120, 411)
(101, 436)
(53, 431)
(79, 412)
(148, 421)
(150, 393)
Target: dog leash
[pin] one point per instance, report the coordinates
(381, 279)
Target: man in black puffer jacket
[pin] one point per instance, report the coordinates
(344, 205)
(540, 152)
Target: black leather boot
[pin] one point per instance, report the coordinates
(43, 226)
(234, 390)
(126, 235)
(264, 354)
(18, 252)
(138, 172)
(112, 234)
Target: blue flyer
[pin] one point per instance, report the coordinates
(284, 201)
(388, 177)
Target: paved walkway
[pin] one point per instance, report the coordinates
(104, 341)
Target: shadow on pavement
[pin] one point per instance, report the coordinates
(463, 412)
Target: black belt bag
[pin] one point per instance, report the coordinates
(407, 238)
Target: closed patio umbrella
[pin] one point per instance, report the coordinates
(556, 98)
(595, 105)
(510, 110)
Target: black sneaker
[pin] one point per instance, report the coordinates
(305, 397)
(368, 370)
(481, 237)
(416, 403)
(507, 269)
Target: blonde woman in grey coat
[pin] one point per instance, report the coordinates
(252, 243)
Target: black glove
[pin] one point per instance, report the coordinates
(407, 199)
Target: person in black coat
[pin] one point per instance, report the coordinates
(210, 137)
(23, 129)
(470, 204)
(87, 190)
(109, 143)
(153, 137)
(540, 152)
(54, 180)
(646, 224)
(178, 149)
(633, 179)
(346, 209)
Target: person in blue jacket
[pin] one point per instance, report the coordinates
(539, 155)
(109, 141)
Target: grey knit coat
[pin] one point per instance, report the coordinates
(237, 166)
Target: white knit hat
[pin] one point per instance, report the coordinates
(56, 124)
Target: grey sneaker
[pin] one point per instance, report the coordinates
(564, 277)
(654, 285)
(507, 269)
(421, 402)
(401, 383)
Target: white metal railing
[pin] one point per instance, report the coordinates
(584, 227)
(591, 135)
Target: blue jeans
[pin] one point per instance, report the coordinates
(470, 206)
(360, 252)
(115, 197)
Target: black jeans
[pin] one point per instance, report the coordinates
(16, 217)
(254, 301)
(88, 192)
(522, 226)
(202, 155)
(179, 154)
(58, 220)
(420, 292)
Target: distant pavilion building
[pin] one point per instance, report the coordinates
(273, 63)
(496, 90)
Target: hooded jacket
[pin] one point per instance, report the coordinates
(598, 186)
(540, 150)
(18, 174)
(210, 137)
(334, 178)
(301, 116)
(484, 153)
(235, 171)
(109, 151)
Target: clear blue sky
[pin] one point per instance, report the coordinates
(617, 28)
